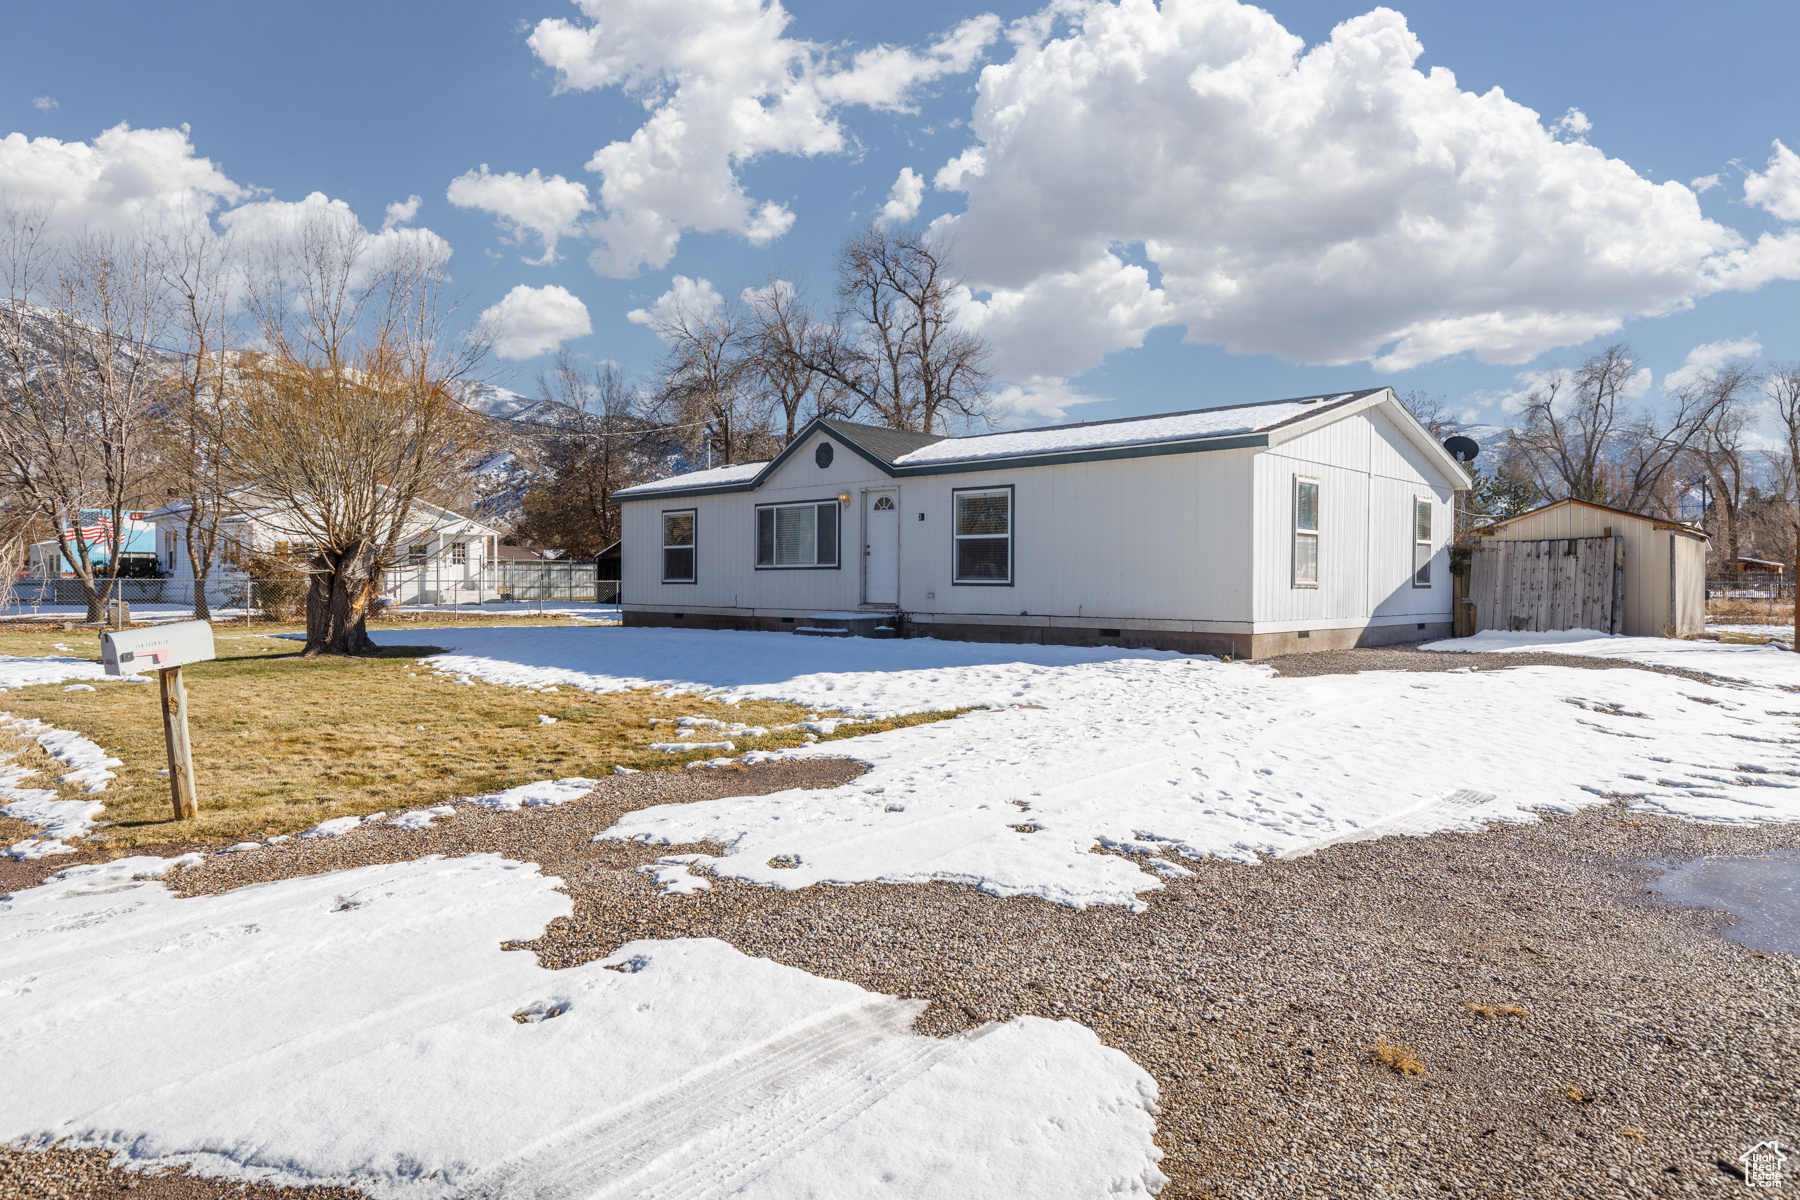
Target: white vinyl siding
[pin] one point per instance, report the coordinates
(797, 535)
(982, 533)
(1306, 532)
(678, 545)
(1422, 547)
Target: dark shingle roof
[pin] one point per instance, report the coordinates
(884, 443)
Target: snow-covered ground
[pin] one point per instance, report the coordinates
(1756, 664)
(365, 1027)
(1153, 752)
(61, 820)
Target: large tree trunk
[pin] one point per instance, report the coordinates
(202, 610)
(337, 602)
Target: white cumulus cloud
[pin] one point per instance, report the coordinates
(549, 207)
(1194, 164)
(401, 212)
(44, 103)
(903, 198)
(1563, 378)
(125, 179)
(1707, 357)
(693, 298)
(1778, 188)
(723, 86)
(530, 321)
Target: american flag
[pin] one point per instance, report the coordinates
(100, 528)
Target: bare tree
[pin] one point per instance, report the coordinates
(1433, 412)
(354, 411)
(1782, 386)
(703, 392)
(594, 445)
(784, 347)
(1721, 453)
(899, 350)
(1583, 439)
(78, 337)
(1571, 420)
(196, 468)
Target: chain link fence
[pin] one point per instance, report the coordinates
(499, 587)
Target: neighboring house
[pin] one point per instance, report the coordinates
(1756, 566)
(443, 554)
(1251, 530)
(1664, 584)
(137, 549)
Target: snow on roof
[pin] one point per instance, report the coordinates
(1132, 431)
(716, 477)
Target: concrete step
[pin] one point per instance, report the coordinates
(850, 624)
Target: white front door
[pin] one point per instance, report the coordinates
(881, 548)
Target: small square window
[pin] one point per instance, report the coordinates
(982, 535)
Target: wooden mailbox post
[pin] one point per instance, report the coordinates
(165, 649)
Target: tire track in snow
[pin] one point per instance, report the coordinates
(711, 1131)
(1430, 817)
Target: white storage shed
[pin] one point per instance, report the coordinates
(1664, 578)
(1251, 530)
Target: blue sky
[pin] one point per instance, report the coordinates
(371, 104)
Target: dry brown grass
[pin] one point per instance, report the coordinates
(1396, 1058)
(1735, 610)
(282, 743)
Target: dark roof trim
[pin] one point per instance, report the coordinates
(1240, 441)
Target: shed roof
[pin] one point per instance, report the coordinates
(1657, 522)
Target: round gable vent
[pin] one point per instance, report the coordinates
(822, 455)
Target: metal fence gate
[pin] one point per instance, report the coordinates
(1542, 586)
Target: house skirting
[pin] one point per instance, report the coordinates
(1223, 643)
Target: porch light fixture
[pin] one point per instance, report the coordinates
(844, 499)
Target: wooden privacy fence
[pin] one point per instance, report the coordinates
(1561, 583)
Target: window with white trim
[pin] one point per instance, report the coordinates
(1422, 547)
(1306, 532)
(416, 555)
(459, 553)
(982, 530)
(678, 546)
(797, 535)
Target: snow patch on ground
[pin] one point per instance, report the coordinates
(338, 826)
(670, 1066)
(1169, 757)
(861, 677)
(535, 795)
(63, 820)
(1751, 663)
(423, 818)
(18, 672)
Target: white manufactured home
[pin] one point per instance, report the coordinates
(1251, 530)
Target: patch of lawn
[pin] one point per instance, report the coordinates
(282, 743)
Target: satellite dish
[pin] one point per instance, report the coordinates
(1463, 449)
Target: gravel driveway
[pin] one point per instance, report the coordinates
(1650, 1052)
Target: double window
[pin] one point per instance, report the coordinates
(1306, 532)
(797, 535)
(678, 546)
(983, 535)
(1422, 541)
